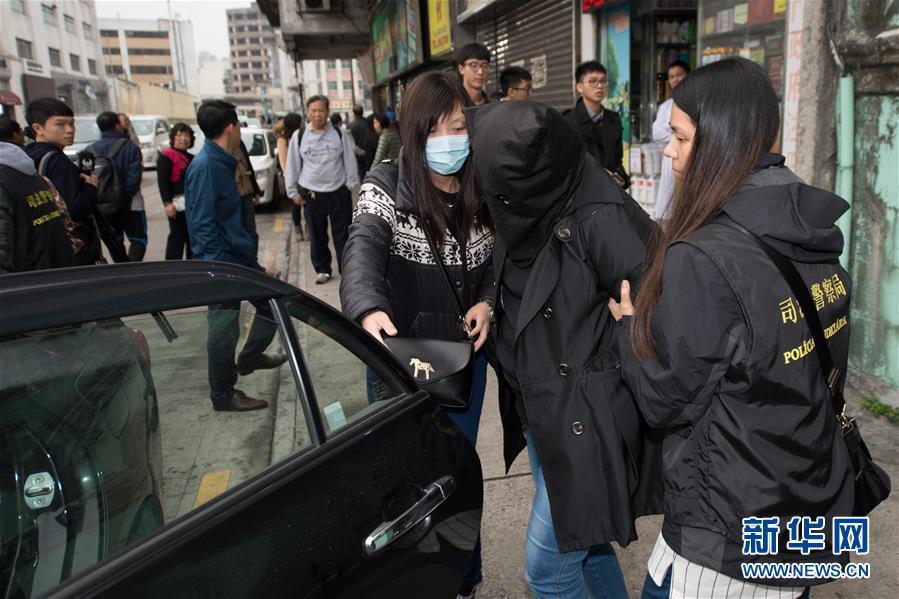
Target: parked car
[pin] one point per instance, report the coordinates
(86, 133)
(153, 132)
(79, 451)
(365, 499)
(263, 152)
(251, 122)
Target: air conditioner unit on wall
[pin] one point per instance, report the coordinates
(304, 6)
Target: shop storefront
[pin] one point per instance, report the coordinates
(535, 34)
(638, 39)
(397, 52)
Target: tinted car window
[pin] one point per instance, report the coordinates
(109, 434)
(107, 431)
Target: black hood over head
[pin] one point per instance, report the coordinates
(528, 161)
(796, 219)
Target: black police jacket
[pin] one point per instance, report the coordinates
(749, 427)
(36, 223)
(601, 468)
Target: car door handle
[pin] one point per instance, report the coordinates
(434, 495)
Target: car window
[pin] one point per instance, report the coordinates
(108, 431)
(349, 380)
(86, 130)
(142, 126)
(255, 143)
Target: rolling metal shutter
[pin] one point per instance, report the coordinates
(538, 35)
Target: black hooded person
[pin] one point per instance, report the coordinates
(566, 236)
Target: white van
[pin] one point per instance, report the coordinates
(153, 132)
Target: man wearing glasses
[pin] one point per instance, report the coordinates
(474, 66)
(599, 127)
(515, 84)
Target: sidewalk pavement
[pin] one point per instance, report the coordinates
(507, 496)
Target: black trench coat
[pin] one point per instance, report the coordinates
(602, 469)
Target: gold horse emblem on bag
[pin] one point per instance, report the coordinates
(422, 367)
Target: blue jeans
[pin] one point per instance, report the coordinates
(592, 572)
(468, 421)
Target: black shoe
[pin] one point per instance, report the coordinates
(240, 402)
(263, 362)
(467, 591)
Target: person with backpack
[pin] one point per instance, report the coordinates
(118, 170)
(392, 282)
(51, 124)
(321, 174)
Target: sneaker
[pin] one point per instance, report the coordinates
(264, 362)
(322, 278)
(467, 591)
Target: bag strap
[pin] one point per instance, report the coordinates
(42, 165)
(114, 149)
(800, 290)
(460, 311)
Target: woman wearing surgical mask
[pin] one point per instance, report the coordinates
(391, 284)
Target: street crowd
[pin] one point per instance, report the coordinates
(640, 361)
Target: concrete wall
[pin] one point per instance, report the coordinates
(145, 98)
(869, 44)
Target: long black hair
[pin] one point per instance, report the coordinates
(431, 97)
(292, 122)
(737, 118)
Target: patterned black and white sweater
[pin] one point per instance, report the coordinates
(387, 264)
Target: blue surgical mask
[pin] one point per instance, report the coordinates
(447, 153)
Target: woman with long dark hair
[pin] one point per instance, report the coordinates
(391, 284)
(171, 167)
(284, 130)
(718, 350)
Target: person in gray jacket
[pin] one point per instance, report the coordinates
(321, 173)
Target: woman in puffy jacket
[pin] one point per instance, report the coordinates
(391, 284)
(718, 352)
(171, 167)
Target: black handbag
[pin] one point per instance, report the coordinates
(872, 484)
(445, 369)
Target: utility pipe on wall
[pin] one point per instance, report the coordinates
(846, 158)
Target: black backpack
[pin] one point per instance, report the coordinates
(111, 198)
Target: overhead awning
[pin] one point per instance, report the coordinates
(9, 98)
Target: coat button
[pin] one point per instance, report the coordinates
(577, 428)
(563, 369)
(458, 284)
(547, 312)
(564, 232)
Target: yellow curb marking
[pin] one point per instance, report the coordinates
(212, 485)
(269, 261)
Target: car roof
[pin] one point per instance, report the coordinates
(254, 130)
(45, 299)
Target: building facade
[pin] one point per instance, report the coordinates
(254, 79)
(212, 75)
(338, 79)
(157, 51)
(51, 49)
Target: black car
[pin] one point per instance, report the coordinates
(118, 479)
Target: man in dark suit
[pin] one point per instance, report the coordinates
(599, 127)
